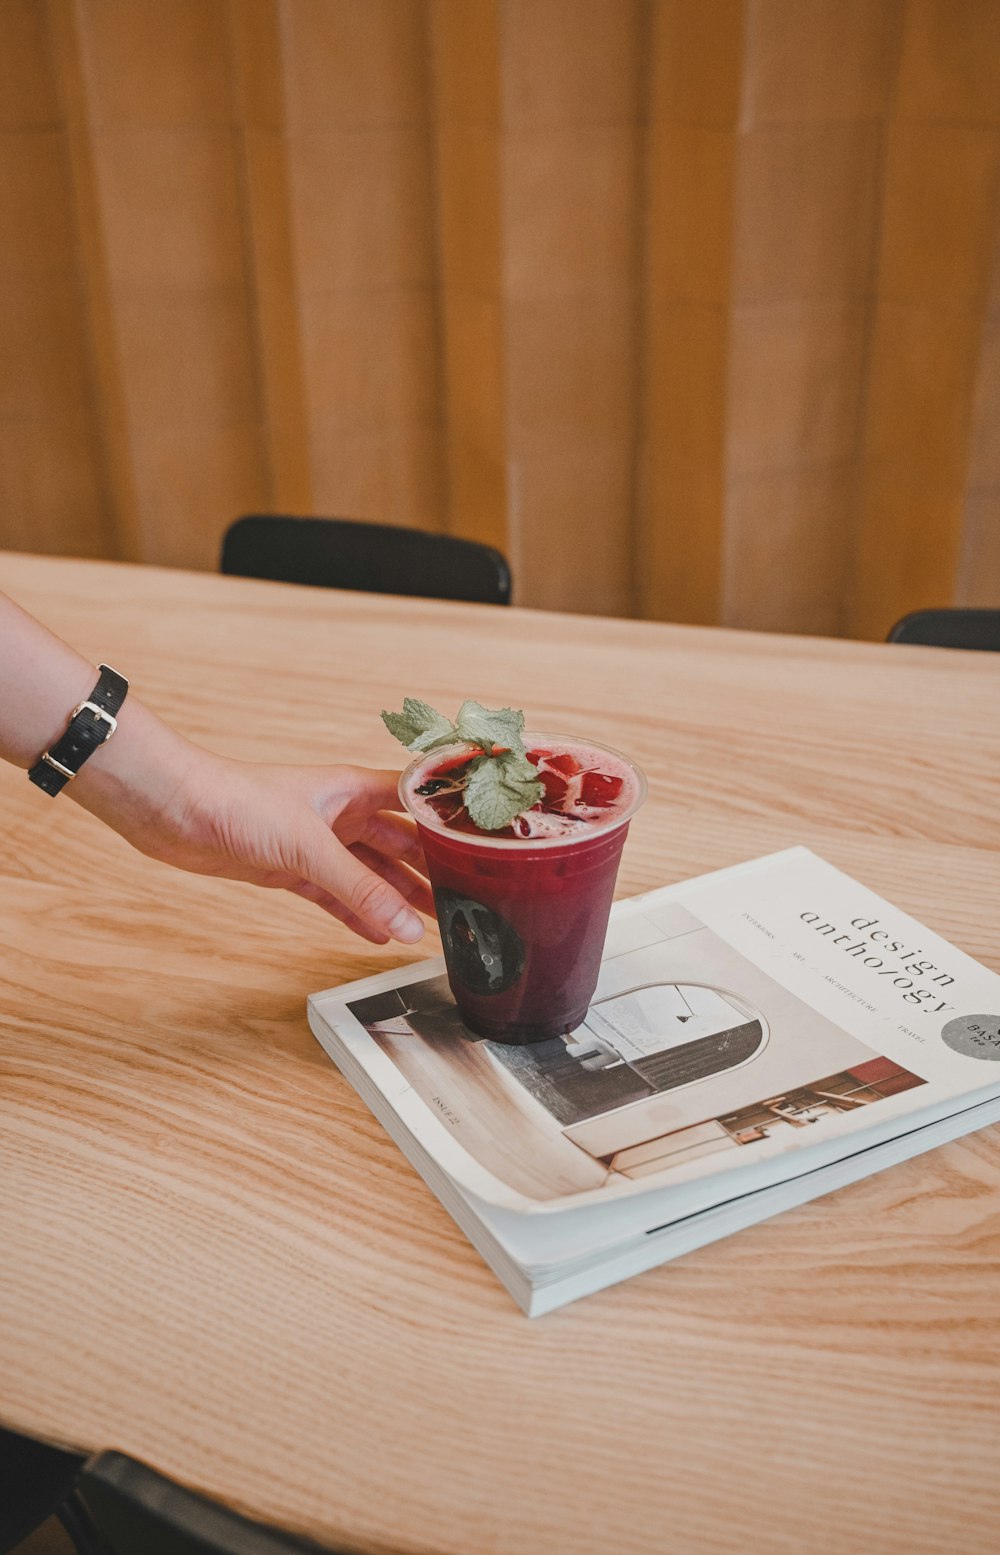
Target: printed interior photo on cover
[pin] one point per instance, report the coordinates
(689, 1049)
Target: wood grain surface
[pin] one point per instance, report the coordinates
(212, 1257)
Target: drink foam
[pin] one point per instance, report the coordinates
(568, 811)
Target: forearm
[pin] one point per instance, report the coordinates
(41, 680)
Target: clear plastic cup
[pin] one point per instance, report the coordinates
(523, 920)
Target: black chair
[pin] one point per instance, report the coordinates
(136, 1511)
(950, 629)
(376, 558)
(36, 1482)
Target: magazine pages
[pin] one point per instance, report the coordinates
(757, 1036)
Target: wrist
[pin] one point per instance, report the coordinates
(92, 722)
(141, 782)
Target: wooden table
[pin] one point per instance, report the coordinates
(213, 1258)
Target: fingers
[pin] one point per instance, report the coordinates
(314, 893)
(374, 788)
(366, 894)
(396, 836)
(407, 882)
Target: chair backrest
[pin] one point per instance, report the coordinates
(34, 1479)
(137, 1511)
(950, 628)
(377, 558)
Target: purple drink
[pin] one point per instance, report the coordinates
(523, 912)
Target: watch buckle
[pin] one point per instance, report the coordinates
(98, 712)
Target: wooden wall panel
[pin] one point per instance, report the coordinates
(569, 219)
(465, 77)
(359, 149)
(979, 565)
(691, 306)
(160, 107)
(937, 247)
(692, 111)
(275, 324)
(52, 477)
(764, 202)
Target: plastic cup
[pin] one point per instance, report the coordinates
(523, 921)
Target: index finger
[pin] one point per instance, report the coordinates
(375, 788)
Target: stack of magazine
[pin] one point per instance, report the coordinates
(759, 1036)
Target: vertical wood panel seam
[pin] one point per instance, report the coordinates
(513, 482)
(749, 49)
(237, 119)
(446, 518)
(284, 433)
(638, 514)
(107, 414)
(848, 601)
(304, 408)
(747, 42)
(749, 45)
(964, 550)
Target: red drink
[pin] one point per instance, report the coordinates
(523, 912)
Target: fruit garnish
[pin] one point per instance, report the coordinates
(567, 765)
(599, 788)
(556, 788)
(498, 783)
(447, 807)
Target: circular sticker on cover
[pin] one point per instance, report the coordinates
(483, 951)
(977, 1036)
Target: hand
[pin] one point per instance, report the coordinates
(333, 835)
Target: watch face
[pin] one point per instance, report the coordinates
(484, 953)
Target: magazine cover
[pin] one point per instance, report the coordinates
(777, 1008)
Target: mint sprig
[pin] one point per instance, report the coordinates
(500, 783)
(500, 788)
(418, 726)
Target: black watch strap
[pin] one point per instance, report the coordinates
(90, 724)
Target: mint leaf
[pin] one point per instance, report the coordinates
(481, 726)
(501, 783)
(500, 789)
(400, 727)
(418, 726)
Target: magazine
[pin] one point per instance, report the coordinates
(759, 1036)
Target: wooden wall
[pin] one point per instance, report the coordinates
(691, 306)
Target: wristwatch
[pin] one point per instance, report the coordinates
(90, 724)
